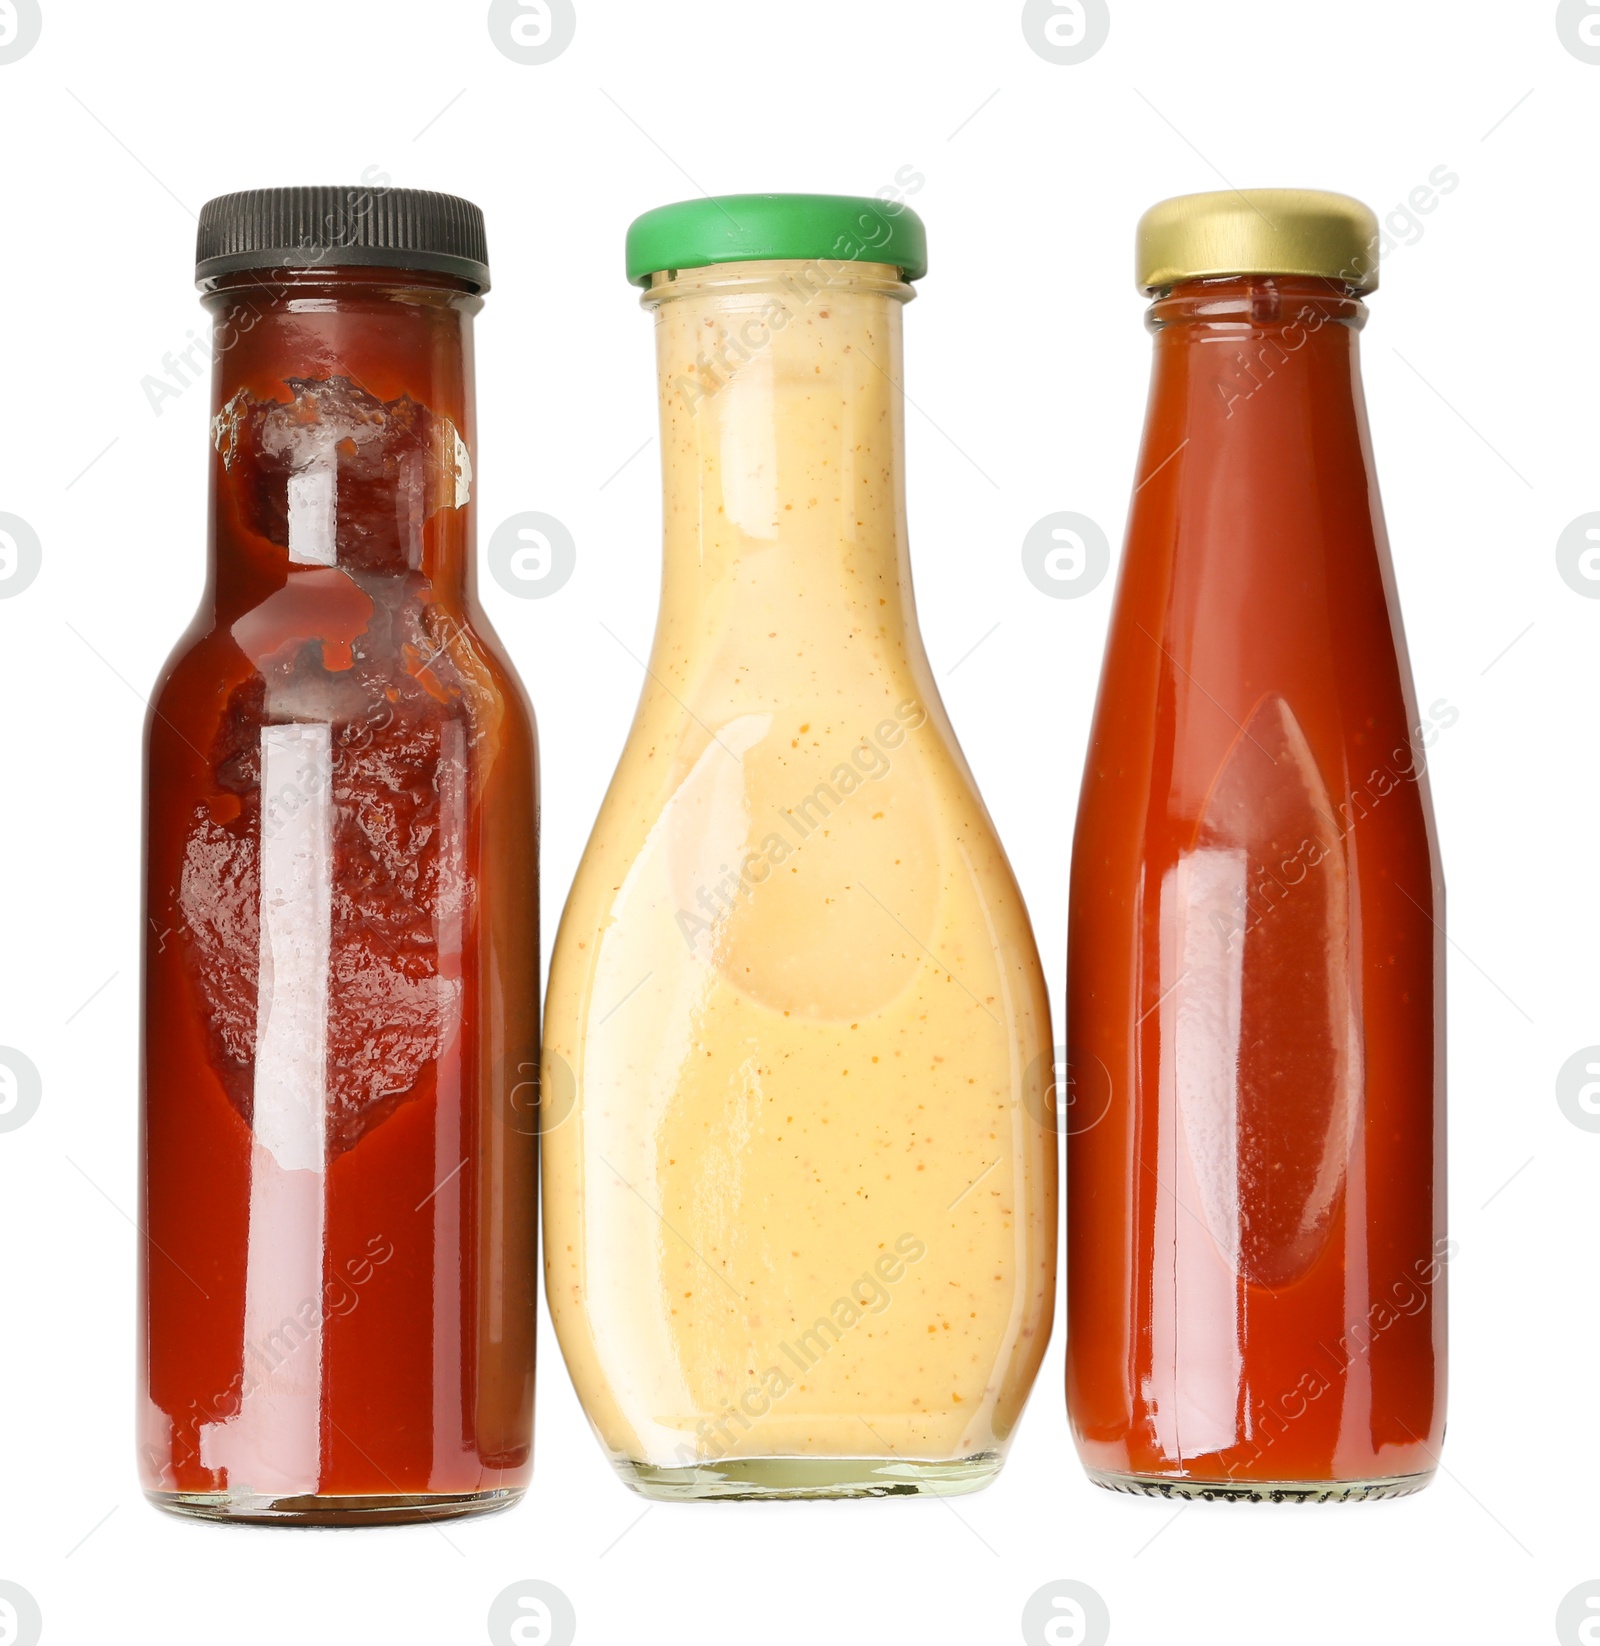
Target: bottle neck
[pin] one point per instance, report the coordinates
(1256, 560)
(342, 429)
(782, 434)
(1253, 355)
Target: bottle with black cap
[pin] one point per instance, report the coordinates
(341, 965)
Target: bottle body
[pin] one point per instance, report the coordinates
(1255, 996)
(800, 1218)
(341, 953)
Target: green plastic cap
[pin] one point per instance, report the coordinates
(749, 228)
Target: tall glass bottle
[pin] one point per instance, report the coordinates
(1255, 1006)
(800, 1220)
(341, 970)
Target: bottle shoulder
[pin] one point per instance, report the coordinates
(803, 853)
(368, 657)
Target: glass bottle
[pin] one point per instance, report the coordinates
(1255, 996)
(341, 969)
(801, 1202)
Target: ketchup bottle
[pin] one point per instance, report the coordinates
(1255, 1008)
(341, 966)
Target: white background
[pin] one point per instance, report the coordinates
(1028, 360)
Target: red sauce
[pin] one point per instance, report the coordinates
(1256, 1193)
(339, 1187)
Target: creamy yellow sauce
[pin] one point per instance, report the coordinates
(804, 1202)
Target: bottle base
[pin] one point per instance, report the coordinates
(739, 1479)
(387, 1509)
(1260, 1491)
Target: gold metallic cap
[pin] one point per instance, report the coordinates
(1257, 231)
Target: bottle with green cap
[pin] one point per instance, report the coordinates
(1256, 1241)
(800, 1225)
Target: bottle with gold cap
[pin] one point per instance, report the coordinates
(1255, 1012)
(802, 1186)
